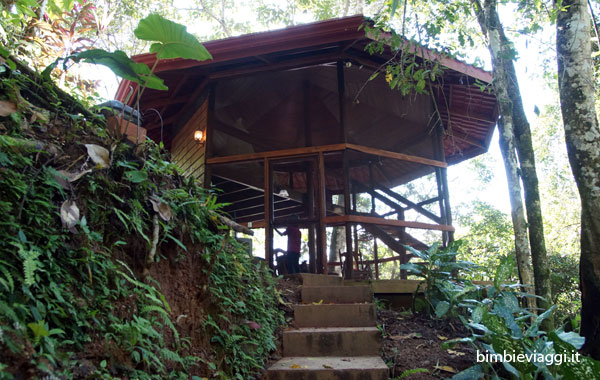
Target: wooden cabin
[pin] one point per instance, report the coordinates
(290, 128)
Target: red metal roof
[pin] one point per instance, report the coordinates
(466, 112)
(294, 37)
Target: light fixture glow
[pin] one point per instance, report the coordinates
(198, 135)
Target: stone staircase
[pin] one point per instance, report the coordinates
(336, 335)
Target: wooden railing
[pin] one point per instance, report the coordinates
(323, 218)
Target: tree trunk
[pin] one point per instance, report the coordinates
(524, 145)
(515, 124)
(522, 252)
(582, 134)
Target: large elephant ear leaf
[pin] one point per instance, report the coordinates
(171, 39)
(123, 66)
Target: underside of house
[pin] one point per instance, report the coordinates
(293, 129)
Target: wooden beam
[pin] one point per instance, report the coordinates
(363, 189)
(398, 156)
(220, 219)
(276, 154)
(280, 66)
(324, 149)
(412, 205)
(386, 238)
(341, 219)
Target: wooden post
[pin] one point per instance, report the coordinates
(447, 203)
(321, 232)
(312, 268)
(444, 178)
(354, 227)
(438, 152)
(268, 215)
(347, 226)
(210, 123)
(341, 97)
(376, 257)
(440, 189)
(310, 189)
(402, 253)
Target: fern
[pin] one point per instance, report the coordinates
(7, 311)
(8, 280)
(169, 355)
(165, 316)
(30, 264)
(152, 292)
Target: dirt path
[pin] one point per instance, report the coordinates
(415, 341)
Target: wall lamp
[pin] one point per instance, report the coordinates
(199, 136)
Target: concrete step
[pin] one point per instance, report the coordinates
(309, 279)
(341, 315)
(332, 341)
(336, 294)
(328, 368)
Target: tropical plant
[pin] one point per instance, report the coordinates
(505, 332)
(170, 40)
(438, 270)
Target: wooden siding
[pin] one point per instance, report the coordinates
(188, 153)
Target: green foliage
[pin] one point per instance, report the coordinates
(246, 316)
(118, 62)
(406, 71)
(564, 278)
(173, 42)
(437, 269)
(488, 236)
(410, 372)
(173, 39)
(500, 325)
(65, 292)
